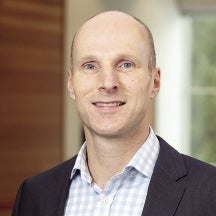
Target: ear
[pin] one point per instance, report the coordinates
(155, 82)
(70, 85)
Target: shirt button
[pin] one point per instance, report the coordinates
(104, 201)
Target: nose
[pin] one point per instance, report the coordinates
(109, 81)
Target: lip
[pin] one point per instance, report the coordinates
(108, 106)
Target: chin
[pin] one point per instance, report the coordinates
(106, 128)
(109, 132)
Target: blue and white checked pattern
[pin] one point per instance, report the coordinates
(124, 194)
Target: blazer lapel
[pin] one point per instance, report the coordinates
(63, 195)
(166, 188)
(59, 188)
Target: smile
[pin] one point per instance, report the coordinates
(108, 104)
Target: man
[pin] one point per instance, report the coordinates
(123, 168)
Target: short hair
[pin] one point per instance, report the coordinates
(152, 57)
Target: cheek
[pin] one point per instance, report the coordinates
(140, 86)
(81, 85)
(83, 91)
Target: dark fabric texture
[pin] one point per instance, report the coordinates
(180, 186)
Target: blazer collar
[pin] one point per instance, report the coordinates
(165, 189)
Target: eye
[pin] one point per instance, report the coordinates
(89, 66)
(126, 65)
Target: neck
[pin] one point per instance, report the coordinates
(109, 156)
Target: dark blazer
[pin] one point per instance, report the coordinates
(180, 186)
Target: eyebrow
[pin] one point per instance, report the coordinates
(87, 58)
(118, 57)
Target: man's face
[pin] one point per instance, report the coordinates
(110, 81)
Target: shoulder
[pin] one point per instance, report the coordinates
(201, 183)
(197, 174)
(201, 176)
(56, 173)
(41, 194)
(198, 177)
(177, 164)
(195, 165)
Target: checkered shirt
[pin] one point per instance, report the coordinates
(124, 194)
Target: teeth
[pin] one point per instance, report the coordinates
(100, 104)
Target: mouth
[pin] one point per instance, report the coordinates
(109, 104)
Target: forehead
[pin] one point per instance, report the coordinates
(110, 31)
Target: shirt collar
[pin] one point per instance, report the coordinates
(145, 158)
(81, 165)
(143, 161)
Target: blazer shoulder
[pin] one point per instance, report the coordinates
(201, 182)
(200, 167)
(45, 193)
(59, 171)
(197, 177)
(177, 164)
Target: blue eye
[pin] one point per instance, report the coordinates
(127, 65)
(89, 67)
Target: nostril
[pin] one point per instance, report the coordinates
(115, 87)
(109, 89)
